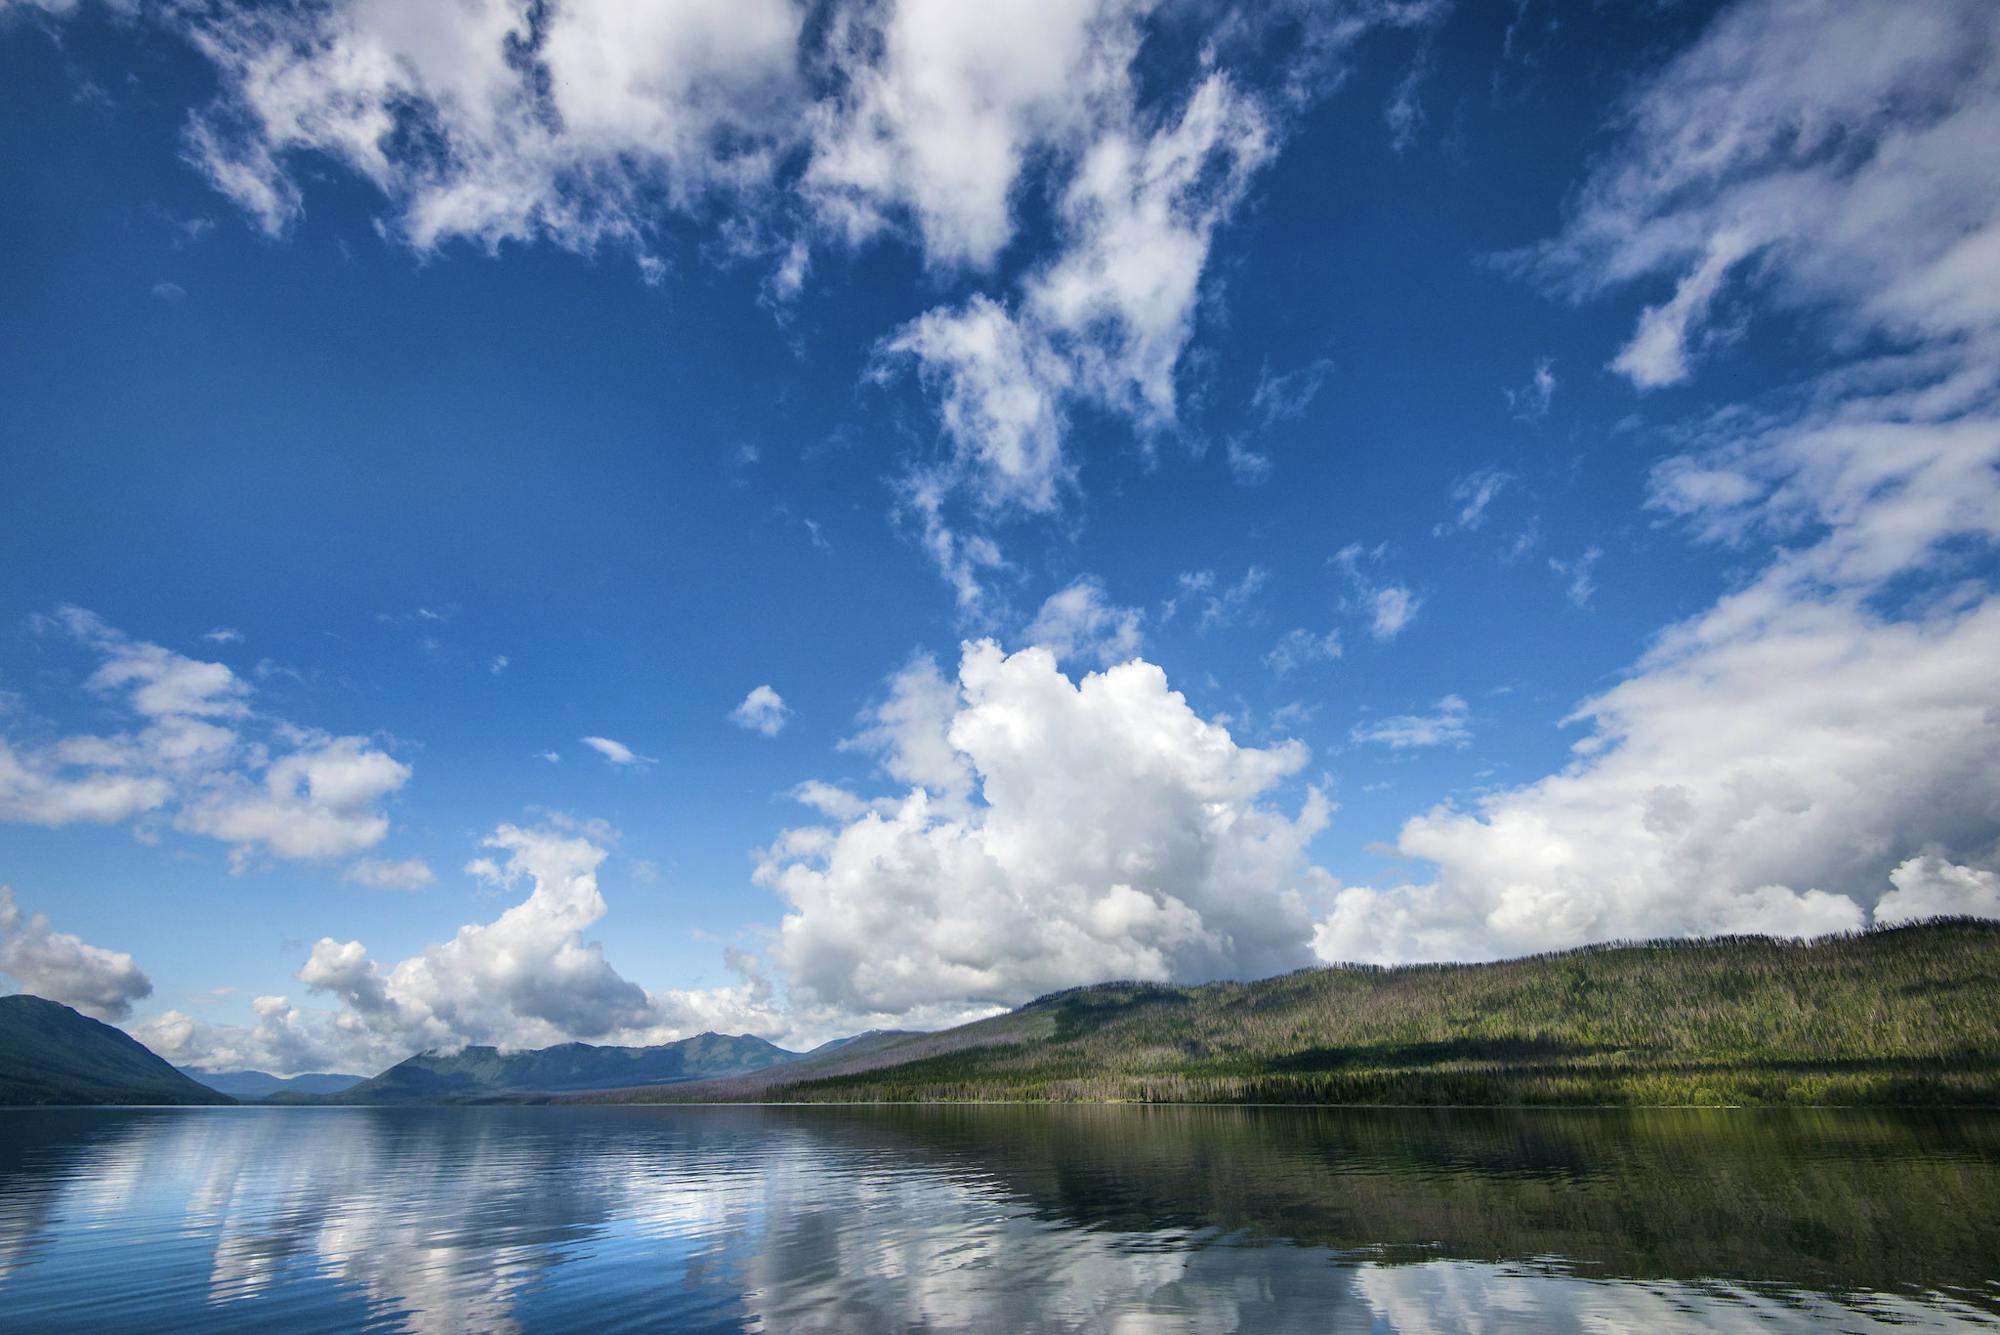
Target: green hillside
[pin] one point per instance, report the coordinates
(485, 1072)
(51, 1054)
(1902, 1015)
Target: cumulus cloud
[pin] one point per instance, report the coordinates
(829, 799)
(763, 711)
(283, 1040)
(1767, 780)
(197, 750)
(1930, 887)
(910, 731)
(63, 967)
(527, 979)
(616, 752)
(321, 800)
(1081, 621)
(1445, 725)
(383, 874)
(1055, 832)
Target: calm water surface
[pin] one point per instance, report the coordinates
(996, 1219)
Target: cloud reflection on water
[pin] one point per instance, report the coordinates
(501, 1219)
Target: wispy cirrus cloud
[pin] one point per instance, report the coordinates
(617, 752)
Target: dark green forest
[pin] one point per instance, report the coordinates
(1905, 1015)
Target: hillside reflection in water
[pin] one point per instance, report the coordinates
(996, 1219)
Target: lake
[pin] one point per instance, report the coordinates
(996, 1219)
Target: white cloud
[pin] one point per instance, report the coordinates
(63, 967)
(830, 800)
(763, 710)
(1113, 833)
(1298, 647)
(943, 105)
(1658, 352)
(482, 122)
(1219, 605)
(1389, 608)
(910, 731)
(1766, 779)
(1473, 493)
(284, 1040)
(1930, 887)
(223, 635)
(527, 979)
(1820, 745)
(319, 801)
(1582, 583)
(596, 124)
(1249, 467)
(199, 751)
(382, 874)
(1104, 322)
(1080, 621)
(1404, 113)
(1138, 218)
(1530, 402)
(1445, 725)
(616, 752)
(498, 664)
(1847, 156)
(1285, 398)
(999, 390)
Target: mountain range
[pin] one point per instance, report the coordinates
(1901, 1015)
(1894, 1016)
(52, 1054)
(474, 1073)
(254, 1085)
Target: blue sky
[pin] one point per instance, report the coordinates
(1525, 475)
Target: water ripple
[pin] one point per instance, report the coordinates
(501, 1219)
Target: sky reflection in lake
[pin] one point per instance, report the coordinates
(995, 1219)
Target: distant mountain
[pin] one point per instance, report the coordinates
(51, 1054)
(252, 1085)
(1900, 1015)
(484, 1072)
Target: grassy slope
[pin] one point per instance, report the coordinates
(1906, 1015)
(51, 1054)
